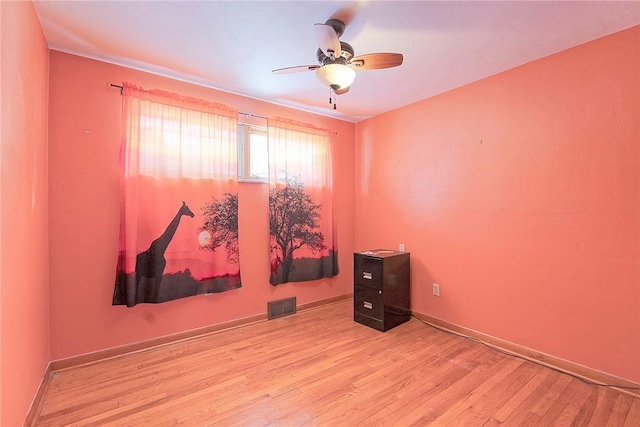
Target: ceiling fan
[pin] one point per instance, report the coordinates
(337, 63)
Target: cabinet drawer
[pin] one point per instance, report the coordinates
(368, 272)
(368, 301)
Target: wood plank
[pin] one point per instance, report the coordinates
(511, 404)
(633, 417)
(620, 411)
(478, 406)
(598, 408)
(582, 398)
(566, 366)
(319, 367)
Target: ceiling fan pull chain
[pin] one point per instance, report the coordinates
(331, 91)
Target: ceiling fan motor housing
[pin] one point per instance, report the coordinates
(345, 56)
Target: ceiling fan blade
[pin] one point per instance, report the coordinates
(296, 69)
(341, 91)
(327, 40)
(376, 61)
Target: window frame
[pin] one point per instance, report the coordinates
(245, 130)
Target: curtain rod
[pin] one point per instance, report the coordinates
(239, 112)
(118, 86)
(247, 115)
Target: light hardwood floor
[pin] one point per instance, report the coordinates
(318, 367)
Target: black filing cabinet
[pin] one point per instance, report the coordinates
(381, 297)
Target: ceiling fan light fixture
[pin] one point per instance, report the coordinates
(336, 76)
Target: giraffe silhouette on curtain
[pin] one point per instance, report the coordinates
(150, 263)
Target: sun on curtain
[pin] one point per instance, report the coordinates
(179, 200)
(303, 244)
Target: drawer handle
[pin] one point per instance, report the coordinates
(367, 275)
(368, 305)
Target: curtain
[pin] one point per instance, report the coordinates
(179, 200)
(303, 244)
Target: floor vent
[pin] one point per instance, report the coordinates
(281, 307)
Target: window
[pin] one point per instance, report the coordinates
(298, 151)
(184, 143)
(252, 153)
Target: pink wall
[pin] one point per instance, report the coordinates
(520, 195)
(24, 282)
(84, 136)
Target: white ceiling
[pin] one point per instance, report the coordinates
(234, 45)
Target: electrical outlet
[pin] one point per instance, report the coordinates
(436, 289)
(401, 247)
